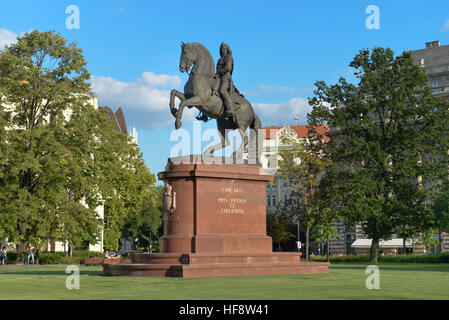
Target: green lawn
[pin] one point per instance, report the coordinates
(344, 281)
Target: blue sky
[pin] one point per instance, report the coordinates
(280, 49)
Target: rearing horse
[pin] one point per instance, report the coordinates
(198, 92)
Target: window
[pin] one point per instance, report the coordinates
(436, 84)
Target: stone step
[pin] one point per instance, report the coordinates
(215, 258)
(214, 270)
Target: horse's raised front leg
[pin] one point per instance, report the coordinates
(194, 101)
(175, 93)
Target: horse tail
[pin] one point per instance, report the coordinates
(256, 124)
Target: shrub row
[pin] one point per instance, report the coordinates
(77, 257)
(404, 258)
(345, 258)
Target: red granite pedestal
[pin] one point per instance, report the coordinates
(217, 229)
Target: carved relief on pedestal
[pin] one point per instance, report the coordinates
(169, 199)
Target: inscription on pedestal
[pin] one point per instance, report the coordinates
(232, 200)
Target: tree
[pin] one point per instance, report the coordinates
(125, 186)
(389, 145)
(277, 229)
(60, 157)
(301, 166)
(440, 211)
(323, 229)
(145, 223)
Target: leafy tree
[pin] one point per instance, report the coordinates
(145, 223)
(440, 211)
(323, 228)
(277, 229)
(60, 157)
(389, 144)
(125, 187)
(301, 166)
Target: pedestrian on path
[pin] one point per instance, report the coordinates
(3, 256)
(30, 254)
(37, 255)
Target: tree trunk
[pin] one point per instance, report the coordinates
(374, 251)
(69, 252)
(327, 250)
(440, 240)
(307, 243)
(150, 241)
(404, 248)
(21, 246)
(21, 252)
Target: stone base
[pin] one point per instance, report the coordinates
(216, 243)
(217, 227)
(192, 265)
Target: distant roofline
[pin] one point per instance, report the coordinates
(299, 129)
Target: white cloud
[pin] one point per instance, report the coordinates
(268, 88)
(145, 101)
(6, 38)
(159, 80)
(280, 113)
(445, 26)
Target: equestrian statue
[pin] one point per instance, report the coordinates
(214, 95)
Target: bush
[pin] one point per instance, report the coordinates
(419, 258)
(403, 258)
(11, 257)
(77, 257)
(345, 258)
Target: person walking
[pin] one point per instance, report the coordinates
(3, 256)
(30, 254)
(37, 255)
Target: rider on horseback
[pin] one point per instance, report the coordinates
(225, 66)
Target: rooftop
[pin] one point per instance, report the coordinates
(434, 54)
(118, 118)
(301, 131)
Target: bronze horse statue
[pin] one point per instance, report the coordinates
(199, 93)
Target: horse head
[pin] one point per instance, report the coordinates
(188, 57)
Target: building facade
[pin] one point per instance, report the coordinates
(434, 59)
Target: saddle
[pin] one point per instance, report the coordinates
(236, 96)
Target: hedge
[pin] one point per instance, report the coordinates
(403, 258)
(58, 257)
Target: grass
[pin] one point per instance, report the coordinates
(344, 281)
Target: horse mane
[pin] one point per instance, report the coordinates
(206, 54)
